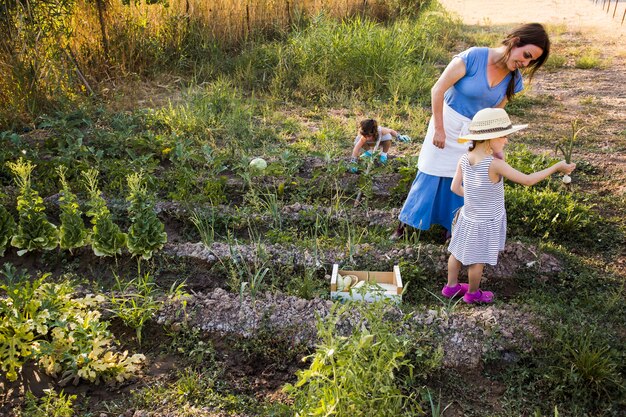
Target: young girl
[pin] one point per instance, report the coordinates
(479, 233)
(369, 134)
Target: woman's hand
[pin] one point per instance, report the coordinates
(439, 138)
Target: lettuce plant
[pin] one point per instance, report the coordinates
(72, 232)
(146, 233)
(45, 322)
(106, 238)
(34, 231)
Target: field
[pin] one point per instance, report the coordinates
(149, 270)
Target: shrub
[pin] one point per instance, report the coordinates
(43, 321)
(361, 374)
(34, 231)
(547, 214)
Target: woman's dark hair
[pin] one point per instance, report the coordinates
(528, 34)
(369, 127)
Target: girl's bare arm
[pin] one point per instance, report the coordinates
(499, 167)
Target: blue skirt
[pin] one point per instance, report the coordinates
(429, 202)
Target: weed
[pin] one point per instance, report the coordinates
(589, 60)
(52, 404)
(555, 62)
(188, 344)
(136, 302)
(362, 371)
(435, 409)
(584, 369)
(204, 220)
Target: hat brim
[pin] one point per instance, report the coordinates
(490, 135)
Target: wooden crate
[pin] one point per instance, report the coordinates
(391, 281)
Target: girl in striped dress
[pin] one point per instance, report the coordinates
(479, 233)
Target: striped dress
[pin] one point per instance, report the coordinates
(479, 233)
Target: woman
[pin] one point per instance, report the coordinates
(475, 79)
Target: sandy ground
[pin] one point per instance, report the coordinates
(584, 15)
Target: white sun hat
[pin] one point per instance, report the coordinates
(490, 124)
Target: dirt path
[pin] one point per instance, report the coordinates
(586, 16)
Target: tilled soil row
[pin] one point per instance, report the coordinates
(515, 257)
(465, 333)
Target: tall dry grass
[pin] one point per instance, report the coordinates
(89, 45)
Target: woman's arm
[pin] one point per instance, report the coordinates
(457, 182)
(453, 73)
(499, 167)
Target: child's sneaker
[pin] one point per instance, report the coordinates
(458, 290)
(383, 159)
(478, 297)
(366, 154)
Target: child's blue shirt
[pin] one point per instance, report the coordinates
(472, 92)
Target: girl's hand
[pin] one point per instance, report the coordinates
(565, 168)
(439, 138)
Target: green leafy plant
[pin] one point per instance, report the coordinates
(546, 213)
(360, 373)
(106, 239)
(7, 228)
(34, 231)
(146, 233)
(135, 302)
(43, 321)
(72, 231)
(205, 224)
(52, 404)
(584, 369)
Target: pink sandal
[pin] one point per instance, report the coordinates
(478, 297)
(458, 290)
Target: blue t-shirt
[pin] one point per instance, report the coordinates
(472, 92)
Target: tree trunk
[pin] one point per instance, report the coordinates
(105, 41)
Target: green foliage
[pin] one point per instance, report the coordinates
(360, 374)
(106, 239)
(146, 233)
(548, 214)
(555, 62)
(52, 404)
(583, 368)
(193, 390)
(136, 302)
(42, 321)
(204, 221)
(359, 54)
(72, 231)
(520, 157)
(37, 75)
(34, 231)
(589, 60)
(7, 228)
(189, 344)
